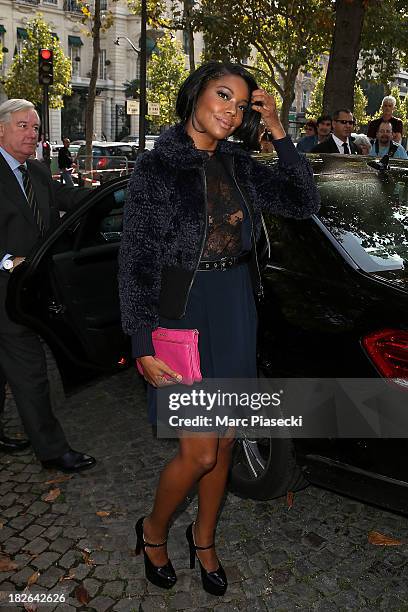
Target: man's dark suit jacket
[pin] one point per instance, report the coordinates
(329, 146)
(18, 230)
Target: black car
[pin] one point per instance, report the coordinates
(336, 305)
(109, 160)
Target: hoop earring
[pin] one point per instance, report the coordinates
(193, 122)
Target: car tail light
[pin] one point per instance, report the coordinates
(122, 361)
(102, 163)
(388, 350)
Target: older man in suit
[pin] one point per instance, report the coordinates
(30, 203)
(339, 141)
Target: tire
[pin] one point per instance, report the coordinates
(57, 393)
(264, 468)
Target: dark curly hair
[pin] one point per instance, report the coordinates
(197, 81)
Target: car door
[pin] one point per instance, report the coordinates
(67, 290)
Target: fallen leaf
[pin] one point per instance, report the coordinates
(102, 513)
(33, 578)
(379, 539)
(59, 479)
(289, 499)
(86, 554)
(82, 594)
(52, 495)
(1, 525)
(6, 564)
(29, 606)
(69, 576)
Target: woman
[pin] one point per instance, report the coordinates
(363, 144)
(195, 202)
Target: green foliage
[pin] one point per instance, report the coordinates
(21, 80)
(88, 17)
(261, 73)
(288, 35)
(401, 108)
(165, 73)
(384, 43)
(315, 108)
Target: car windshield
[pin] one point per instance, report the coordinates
(368, 214)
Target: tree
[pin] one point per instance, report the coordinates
(374, 31)
(315, 108)
(263, 78)
(165, 73)
(172, 16)
(21, 80)
(290, 36)
(97, 21)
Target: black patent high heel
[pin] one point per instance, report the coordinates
(163, 576)
(213, 582)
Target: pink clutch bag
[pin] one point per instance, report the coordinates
(178, 348)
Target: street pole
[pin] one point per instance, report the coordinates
(143, 61)
(46, 114)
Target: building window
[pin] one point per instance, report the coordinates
(75, 57)
(50, 1)
(104, 5)
(21, 38)
(102, 65)
(74, 51)
(305, 100)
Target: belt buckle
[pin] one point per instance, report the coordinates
(226, 262)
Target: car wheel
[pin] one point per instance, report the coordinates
(57, 392)
(264, 468)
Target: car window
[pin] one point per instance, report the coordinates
(103, 223)
(368, 214)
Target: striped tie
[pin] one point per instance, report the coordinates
(32, 201)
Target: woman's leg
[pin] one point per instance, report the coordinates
(197, 455)
(210, 493)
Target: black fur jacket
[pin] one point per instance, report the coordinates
(164, 217)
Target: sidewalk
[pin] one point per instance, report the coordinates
(80, 547)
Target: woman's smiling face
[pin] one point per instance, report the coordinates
(219, 111)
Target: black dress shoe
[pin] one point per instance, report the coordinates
(71, 461)
(10, 445)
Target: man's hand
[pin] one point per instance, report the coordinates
(16, 262)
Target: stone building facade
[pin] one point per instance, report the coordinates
(118, 63)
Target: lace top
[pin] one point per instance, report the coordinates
(228, 230)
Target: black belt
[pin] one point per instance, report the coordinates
(226, 263)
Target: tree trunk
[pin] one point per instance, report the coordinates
(288, 97)
(90, 102)
(190, 33)
(341, 72)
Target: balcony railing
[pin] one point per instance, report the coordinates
(32, 2)
(72, 6)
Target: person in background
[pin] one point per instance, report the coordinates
(65, 163)
(30, 202)
(384, 144)
(339, 141)
(387, 106)
(363, 144)
(323, 130)
(43, 151)
(188, 261)
(266, 142)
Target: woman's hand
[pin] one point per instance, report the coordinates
(158, 373)
(265, 105)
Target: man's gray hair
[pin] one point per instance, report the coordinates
(13, 106)
(389, 99)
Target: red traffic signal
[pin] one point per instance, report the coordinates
(45, 67)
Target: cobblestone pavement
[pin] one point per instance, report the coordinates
(314, 556)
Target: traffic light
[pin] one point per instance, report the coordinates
(45, 67)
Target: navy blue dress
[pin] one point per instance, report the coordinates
(221, 304)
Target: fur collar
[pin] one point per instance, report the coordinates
(177, 149)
